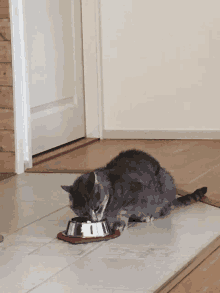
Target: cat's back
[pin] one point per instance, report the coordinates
(133, 161)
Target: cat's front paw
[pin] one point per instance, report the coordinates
(119, 226)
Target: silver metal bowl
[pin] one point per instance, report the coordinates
(81, 227)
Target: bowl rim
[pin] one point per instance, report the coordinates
(97, 224)
(74, 220)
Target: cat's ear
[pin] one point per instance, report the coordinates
(66, 188)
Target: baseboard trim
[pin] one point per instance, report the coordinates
(161, 134)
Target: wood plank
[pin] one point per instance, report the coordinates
(5, 51)
(7, 119)
(7, 162)
(63, 149)
(6, 97)
(4, 12)
(7, 142)
(205, 278)
(4, 3)
(5, 30)
(6, 74)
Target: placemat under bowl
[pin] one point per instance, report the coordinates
(79, 240)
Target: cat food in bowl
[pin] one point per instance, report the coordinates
(81, 227)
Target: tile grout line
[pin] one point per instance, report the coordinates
(34, 222)
(46, 243)
(103, 243)
(81, 256)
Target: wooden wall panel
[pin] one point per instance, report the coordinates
(6, 97)
(7, 119)
(4, 3)
(4, 9)
(4, 12)
(7, 162)
(5, 31)
(5, 51)
(6, 74)
(7, 143)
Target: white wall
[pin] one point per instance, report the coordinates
(161, 64)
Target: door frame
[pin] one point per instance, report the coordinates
(92, 64)
(92, 67)
(21, 102)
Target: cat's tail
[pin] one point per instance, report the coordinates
(190, 198)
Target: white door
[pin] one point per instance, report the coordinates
(55, 69)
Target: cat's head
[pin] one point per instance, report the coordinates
(89, 196)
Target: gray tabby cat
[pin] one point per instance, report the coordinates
(132, 185)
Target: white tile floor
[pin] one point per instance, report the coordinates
(34, 209)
